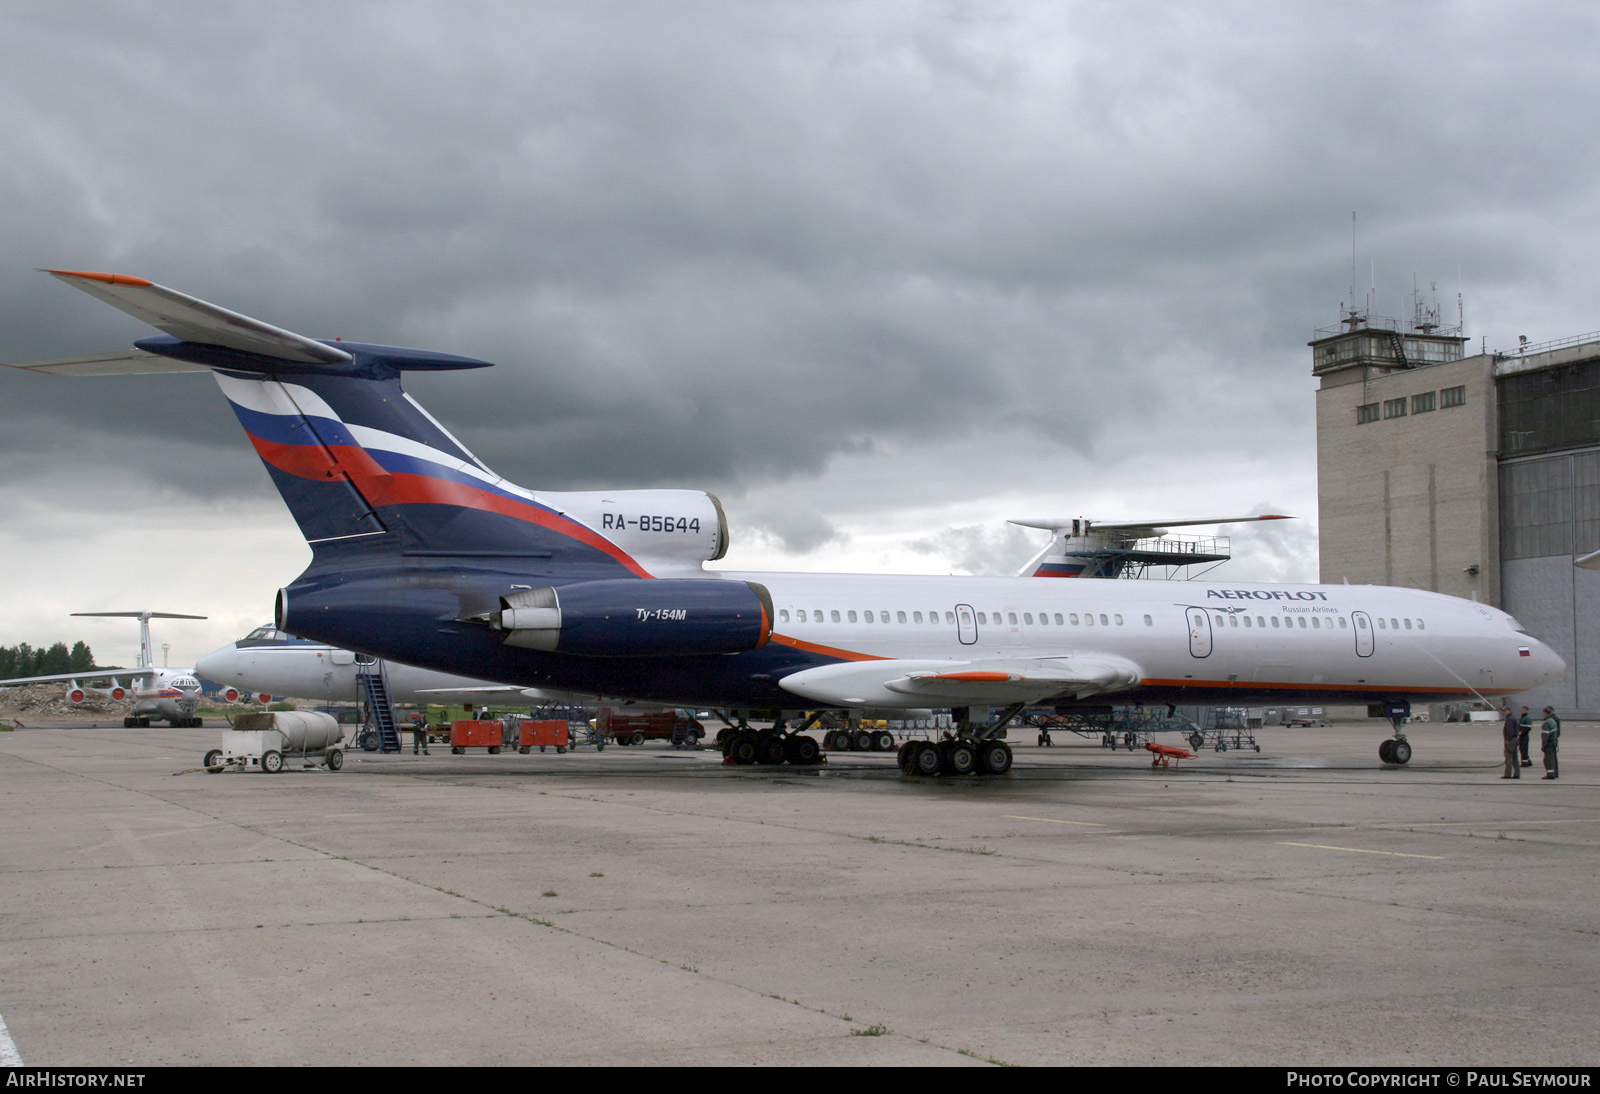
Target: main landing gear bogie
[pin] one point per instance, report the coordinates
(956, 756)
(768, 748)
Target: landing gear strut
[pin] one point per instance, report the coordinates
(1396, 750)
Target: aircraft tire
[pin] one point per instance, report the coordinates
(272, 761)
(1386, 752)
(369, 742)
(213, 761)
(742, 749)
(769, 749)
(129, 723)
(994, 758)
(335, 759)
(903, 755)
(1196, 740)
(883, 741)
(1401, 752)
(801, 751)
(958, 757)
(861, 741)
(924, 759)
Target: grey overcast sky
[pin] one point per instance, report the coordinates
(880, 275)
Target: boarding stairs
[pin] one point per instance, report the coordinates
(379, 709)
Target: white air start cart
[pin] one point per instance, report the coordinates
(264, 741)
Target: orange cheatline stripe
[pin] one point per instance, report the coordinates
(1245, 685)
(826, 651)
(109, 279)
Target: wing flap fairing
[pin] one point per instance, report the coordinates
(906, 683)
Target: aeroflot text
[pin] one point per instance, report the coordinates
(1469, 1079)
(1264, 594)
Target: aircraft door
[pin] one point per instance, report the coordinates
(1364, 637)
(1199, 633)
(966, 624)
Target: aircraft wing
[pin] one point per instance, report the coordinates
(92, 674)
(994, 681)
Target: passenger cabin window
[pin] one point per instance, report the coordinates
(1149, 622)
(835, 614)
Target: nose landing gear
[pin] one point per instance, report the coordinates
(1396, 750)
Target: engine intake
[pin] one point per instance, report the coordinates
(638, 618)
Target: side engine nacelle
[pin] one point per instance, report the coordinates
(118, 693)
(75, 695)
(638, 618)
(665, 530)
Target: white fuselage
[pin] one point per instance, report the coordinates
(1285, 641)
(314, 670)
(167, 694)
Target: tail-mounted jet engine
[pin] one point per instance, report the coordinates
(638, 618)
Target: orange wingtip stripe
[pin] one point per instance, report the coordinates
(109, 279)
(973, 677)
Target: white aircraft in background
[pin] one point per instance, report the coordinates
(269, 660)
(169, 694)
(423, 555)
(1101, 548)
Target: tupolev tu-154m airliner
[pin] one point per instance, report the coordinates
(421, 554)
